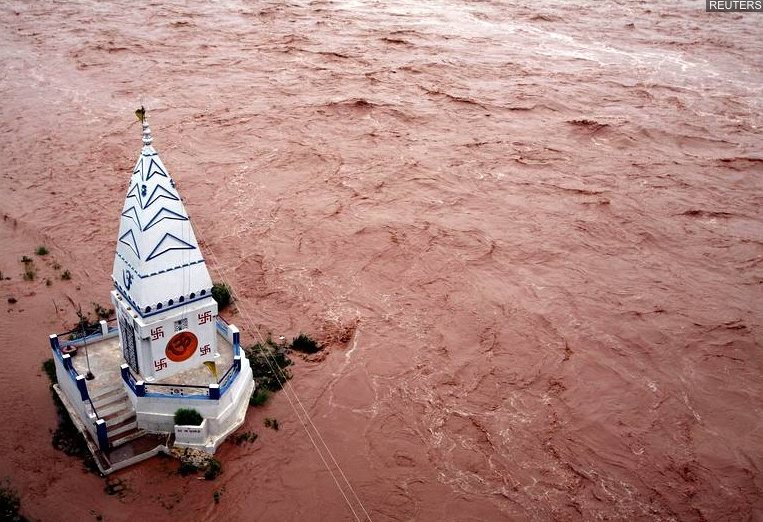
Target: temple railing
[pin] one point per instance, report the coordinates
(74, 384)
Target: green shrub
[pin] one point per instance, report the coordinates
(304, 343)
(49, 367)
(259, 397)
(221, 294)
(42, 250)
(66, 275)
(188, 417)
(214, 468)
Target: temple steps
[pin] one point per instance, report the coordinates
(114, 407)
(122, 429)
(126, 436)
(104, 395)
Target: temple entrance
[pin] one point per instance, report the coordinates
(129, 350)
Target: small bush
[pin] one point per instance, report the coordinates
(271, 423)
(259, 397)
(214, 468)
(102, 312)
(42, 250)
(217, 495)
(48, 282)
(187, 468)
(26, 260)
(188, 417)
(49, 367)
(85, 326)
(56, 266)
(29, 273)
(247, 436)
(9, 502)
(305, 344)
(12, 300)
(66, 275)
(221, 294)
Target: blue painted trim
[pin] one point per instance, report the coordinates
(154, 255)
(160, 271)
(103, 437)
(134, 244)
(182, 397)
(225, 387)
(154, 311)
(172, 215)
(82, 386)
(165, 194)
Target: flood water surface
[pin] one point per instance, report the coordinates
(529, 235)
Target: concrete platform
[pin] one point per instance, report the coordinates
(105, 357)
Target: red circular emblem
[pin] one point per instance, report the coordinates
(181, 346)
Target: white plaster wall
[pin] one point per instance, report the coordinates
(157, 414)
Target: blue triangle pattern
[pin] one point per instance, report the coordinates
(166, 244)
(158, 193)
(164, 213)
(154, 169)
(132, 213)
(128, 238)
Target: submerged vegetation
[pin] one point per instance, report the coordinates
(247, 436)
(10, 503)
(269, 362)
(85, 325)
(305, 344)
(30, 271)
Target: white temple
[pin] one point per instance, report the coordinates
(168, 349)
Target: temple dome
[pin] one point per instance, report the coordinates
(158, 265)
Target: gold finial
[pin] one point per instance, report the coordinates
(141, 114)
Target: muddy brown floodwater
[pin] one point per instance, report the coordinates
(530, 233)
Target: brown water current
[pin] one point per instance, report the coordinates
(529, 233)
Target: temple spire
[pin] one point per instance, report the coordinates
(141, 115)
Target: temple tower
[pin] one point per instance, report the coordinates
(162, 289)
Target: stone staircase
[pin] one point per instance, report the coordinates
(113, 406)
